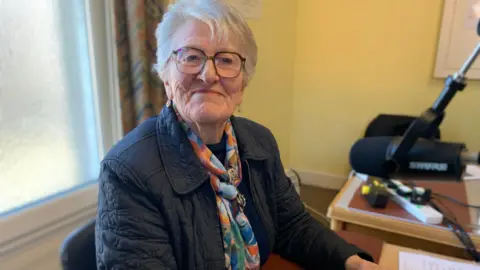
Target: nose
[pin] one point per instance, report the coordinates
(208, 74)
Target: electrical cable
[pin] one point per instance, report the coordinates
(460, 233)
(455, 200)
(450, 212)
(451, 220)
(323, 218)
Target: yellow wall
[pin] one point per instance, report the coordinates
(355, 59)
(268, 99)
(327, 67)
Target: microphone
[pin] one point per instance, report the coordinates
(412, 156)
(426, 159)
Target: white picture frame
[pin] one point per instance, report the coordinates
(457, 40)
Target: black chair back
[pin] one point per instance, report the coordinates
(78, 249)
(393, 125)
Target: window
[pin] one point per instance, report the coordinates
(57, 109)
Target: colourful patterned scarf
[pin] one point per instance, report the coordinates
(240, 245)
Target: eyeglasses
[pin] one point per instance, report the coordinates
(192, 61)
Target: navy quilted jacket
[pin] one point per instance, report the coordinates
(156, 209)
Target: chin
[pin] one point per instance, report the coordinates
(209, 113)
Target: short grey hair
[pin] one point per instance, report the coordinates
(224, 22)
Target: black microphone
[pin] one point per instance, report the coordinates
(426, 160)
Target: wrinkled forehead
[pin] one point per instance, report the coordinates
(209, 37)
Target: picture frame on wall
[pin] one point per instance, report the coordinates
(458, 38)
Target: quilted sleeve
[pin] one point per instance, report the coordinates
(301, 238)
(130, 232)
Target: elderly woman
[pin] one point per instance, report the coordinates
(196, 187)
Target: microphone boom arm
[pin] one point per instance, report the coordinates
(425, 125)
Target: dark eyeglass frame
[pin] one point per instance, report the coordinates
(212, 57)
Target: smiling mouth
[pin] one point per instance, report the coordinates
(207, 92)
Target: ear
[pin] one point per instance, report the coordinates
(169, 93)
(245, 81)
(168, 89)
(239, 99)
(165, 78)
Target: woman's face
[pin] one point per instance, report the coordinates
(205, 97)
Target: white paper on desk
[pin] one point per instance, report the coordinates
(472, 172)
(414, 261)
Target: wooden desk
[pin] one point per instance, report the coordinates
(350, 212)
(371, 245)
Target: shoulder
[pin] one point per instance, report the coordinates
(137, 151)
(241, 124)
(139, 137)
(254, 137)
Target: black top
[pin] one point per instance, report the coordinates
(219, 150)
(157, 209)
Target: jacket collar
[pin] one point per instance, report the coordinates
(248, 144)
(183, 168)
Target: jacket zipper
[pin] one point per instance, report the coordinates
(256, 203)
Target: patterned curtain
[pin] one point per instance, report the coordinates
(142, 94)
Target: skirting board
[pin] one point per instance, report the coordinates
(321, 179)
